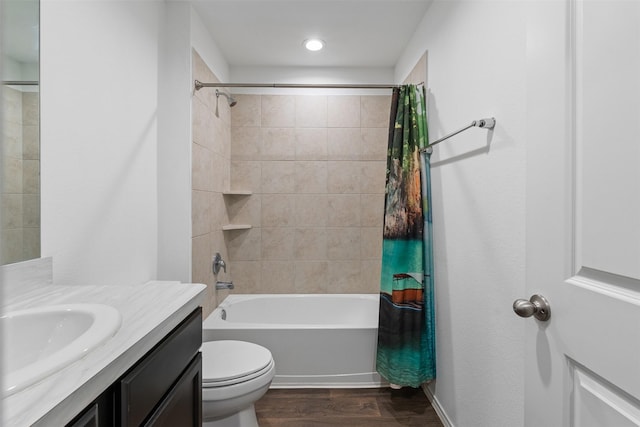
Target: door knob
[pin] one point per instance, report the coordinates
(537, 306)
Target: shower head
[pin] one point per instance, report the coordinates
(230, 99)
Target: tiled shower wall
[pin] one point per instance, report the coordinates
(210, 177)
(316, 168)
(20, 176)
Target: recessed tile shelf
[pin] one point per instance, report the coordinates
(229, 227)
(237, 193)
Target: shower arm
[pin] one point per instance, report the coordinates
(489, 123)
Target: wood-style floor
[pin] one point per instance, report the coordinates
(374, 407)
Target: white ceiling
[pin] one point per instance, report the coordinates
(269, 33)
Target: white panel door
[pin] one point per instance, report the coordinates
(582, 366)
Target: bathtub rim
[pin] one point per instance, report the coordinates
(214, 319)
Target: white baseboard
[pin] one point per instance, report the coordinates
(437, 407)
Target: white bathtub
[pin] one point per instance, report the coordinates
(317, 341)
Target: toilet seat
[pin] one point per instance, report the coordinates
(226, 362)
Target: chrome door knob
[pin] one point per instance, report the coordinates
(537, 306)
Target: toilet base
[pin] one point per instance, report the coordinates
(244, 418)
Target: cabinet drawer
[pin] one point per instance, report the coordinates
(144, 387)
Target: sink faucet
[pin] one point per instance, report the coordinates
(224, 285)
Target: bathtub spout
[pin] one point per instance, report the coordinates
(224, 285)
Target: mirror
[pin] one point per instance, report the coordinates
(20, 143)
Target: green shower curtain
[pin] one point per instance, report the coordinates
(406, 328)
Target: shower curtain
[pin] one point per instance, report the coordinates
(406, 328)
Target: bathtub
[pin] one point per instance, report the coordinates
(317, 341)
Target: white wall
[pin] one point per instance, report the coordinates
(174, 144)
(476, 68)
(99, 132)
(181, 31)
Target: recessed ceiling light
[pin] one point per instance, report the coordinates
(313, 44)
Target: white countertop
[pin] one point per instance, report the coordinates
(149, 312)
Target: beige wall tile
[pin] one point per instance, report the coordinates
(343, 111)
(343, 210)
(30, 108)
(221, 139)
(311, 277)
(343, 243)
(12, 142)
(12, 172)
(31, 210)
(344, 276)
(30, 142)
(277, 243)
(218, 244)
(344, 177)
(311, 144)
(373, 177)
(371, 240)
(310, 244)
(318, 182)
(246, 175)
(246, 143)
(278, 144)
(247, 112)
(277, 210)
(278, 111)
(201, 166)
(311, 111)
(278, 277)
(222, 108)
(219, 215)
(371, 210)
(202, 123)
(344, 144)
(31, 239)
(12, 211)
(12, 245)
(244, 245)
(11, 105)
(246, 276)
(201, 260)
(201, 212)
(31, 176)
(374, 143)
(278, 177)
(370, 277)
(219, 173)
(311, 210)
(375, 110)
(201, 72)
(311, 177)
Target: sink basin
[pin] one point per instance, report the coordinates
(40, 341)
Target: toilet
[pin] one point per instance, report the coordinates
(235, 374)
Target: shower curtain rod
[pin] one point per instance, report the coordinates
(480, 123)
(199, 85)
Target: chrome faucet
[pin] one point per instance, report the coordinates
(224, 285)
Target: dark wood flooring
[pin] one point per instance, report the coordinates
(373, 407)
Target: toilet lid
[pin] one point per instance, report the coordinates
(229, 362)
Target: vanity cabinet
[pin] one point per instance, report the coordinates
(164, 388)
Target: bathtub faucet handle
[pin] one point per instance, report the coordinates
(218, 263)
